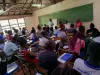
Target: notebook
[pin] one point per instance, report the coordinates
(64, 57)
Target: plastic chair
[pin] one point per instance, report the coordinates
(11, 68)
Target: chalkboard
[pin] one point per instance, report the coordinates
(84, 13)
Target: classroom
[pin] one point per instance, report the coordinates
(49, 37)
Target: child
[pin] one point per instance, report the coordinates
(30, 57)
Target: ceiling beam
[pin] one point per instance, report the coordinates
(23, 7)
(4, 4)
(10, 3)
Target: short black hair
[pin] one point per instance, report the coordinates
(94, 50)
(82, 29)
(92, 25)
(22, 41)
(9, 31)
(33, 30)
(39, 27)
(56, 27)
(72, 25)
(50, 45)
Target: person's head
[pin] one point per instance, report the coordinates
(19, 28)
(60, 22)
(92, 26)
(82, 29)
(72, 42)
(39, 27)
(15, 39)
(66, 21)
(66, 71)
(44, 34)
(50, 45)
(33, 30)
(72, 25)
(94, 53)
(50, 19)
(10, 32)
(22, 42)
(45, 25)
(56, 27)
(6, 31)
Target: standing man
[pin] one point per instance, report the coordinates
(50, 23)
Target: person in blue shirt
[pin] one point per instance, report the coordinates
(56, 31)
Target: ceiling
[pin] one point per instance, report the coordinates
(23, 7)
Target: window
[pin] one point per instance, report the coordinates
(21, 20)
(12, 23)
(4, 22)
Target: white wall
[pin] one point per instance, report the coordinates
(66, 5)
(29, 22)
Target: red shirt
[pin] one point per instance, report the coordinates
(9, 37)
(25, 55)
(78, 24)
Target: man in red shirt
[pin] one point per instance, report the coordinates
(78, 24)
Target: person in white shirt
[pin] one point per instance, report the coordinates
(10, 48)
(50, 22)
(43, 39)
(32, 34)
(67, 25)
(92, 65)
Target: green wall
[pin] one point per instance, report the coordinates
(85, 13)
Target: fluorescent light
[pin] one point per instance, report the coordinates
(38, 5)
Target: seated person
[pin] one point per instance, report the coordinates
(43, 39)
(92, 31)
(2, 41)
(30, 57)
(65, 71)
(9, 36)
(38, 32)
(82, 30)
(10, 48)
(56, 31)
(77, 43)
(48, 59)
(72, 29)
(34, 38)
(92, 65)
(61, 33)
(63, 43)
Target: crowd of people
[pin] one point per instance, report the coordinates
(42, 50)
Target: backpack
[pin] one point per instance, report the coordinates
(3, 63)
